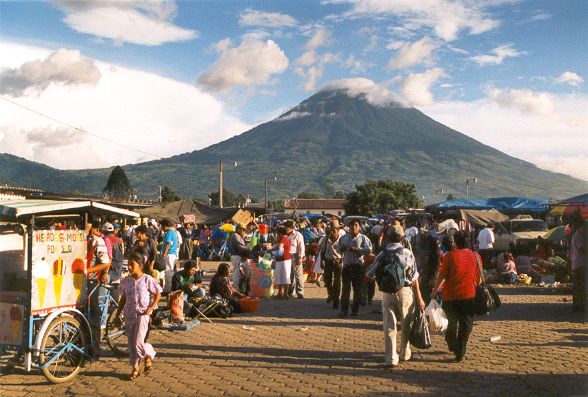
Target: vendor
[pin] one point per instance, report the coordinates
(508, 270)
(189, 281)
(221, 285)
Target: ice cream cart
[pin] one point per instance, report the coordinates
(43, 283)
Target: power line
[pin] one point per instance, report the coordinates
(80, 130)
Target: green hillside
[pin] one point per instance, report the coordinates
(328, 141)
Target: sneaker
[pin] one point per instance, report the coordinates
(406, 356)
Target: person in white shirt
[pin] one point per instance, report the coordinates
(297, 251)
(486, 244)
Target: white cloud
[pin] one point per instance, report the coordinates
(539, 16)
(413, 54)
(524, 100)
(416, 88)
(446, 18)
(65, 67)
(251, 17)
(570, 78)
(556, 143)
(250, 64)
(293, 115)
(355, 65)
(310, 65)
(374, 93)
(132, 107)
(499, 54)
(138, 22)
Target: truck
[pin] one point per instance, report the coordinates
(521, 233)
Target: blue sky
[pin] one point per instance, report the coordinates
(170, 77)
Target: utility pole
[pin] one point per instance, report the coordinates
(475, 180)
(220, 190)
(160, 198)
(265, 201)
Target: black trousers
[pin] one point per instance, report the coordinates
(352, 276)
(332, 278)
(368, 288)
(460, 314)
(579, 289)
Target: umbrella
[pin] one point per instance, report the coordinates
(227, 227)
(555, 234)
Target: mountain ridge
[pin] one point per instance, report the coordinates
(330, 141)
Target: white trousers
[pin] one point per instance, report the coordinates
(170, 269)
(397, 308)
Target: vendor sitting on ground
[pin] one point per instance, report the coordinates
(507, 269)
(221, 285)
(189, 281)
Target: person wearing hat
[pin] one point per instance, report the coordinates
(398, 307)
(98, 265)
(330, 261)
(116, 251)
(297, 253)
(239, 253)
(353, 246)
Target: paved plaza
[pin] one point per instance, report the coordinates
(302, 348)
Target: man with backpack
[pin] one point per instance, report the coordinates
(396, 274)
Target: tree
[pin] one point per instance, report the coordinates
(277, 205)
(168, 195)
(378, 197)
(118, 184)
(450, 197)
(308, 195)
(340, 195)
(230, 199)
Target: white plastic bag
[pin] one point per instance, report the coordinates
(437, 318)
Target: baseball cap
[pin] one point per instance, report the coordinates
(116, 226)
(108, 227)
(395, 230)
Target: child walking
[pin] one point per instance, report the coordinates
(139, 295)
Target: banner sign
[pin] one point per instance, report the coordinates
(59, 269)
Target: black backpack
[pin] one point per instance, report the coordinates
(390, 271)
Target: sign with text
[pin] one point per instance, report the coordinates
(59, 269)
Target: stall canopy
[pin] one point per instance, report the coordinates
(21, 210)
(506, 205)
(482, 217)
(570, 205)
(177, 210)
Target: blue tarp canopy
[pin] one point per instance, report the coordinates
(508, 205)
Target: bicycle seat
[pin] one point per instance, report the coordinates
(109, 286)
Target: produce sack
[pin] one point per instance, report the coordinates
(419, 331)
(437, 317)
(261, 281)
(175, 301)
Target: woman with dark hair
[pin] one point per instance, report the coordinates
(221, 285)
(431, 263)
(459, 275)
(281, 253)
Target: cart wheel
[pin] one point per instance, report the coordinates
(66, 363)
(116, 335)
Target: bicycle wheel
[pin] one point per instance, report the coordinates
(57, 347)
(116, 335)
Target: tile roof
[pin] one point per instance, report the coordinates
(319, 204)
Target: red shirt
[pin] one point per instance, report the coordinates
(461, 275)
(286, 256)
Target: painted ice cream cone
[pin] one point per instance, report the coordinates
(16, 318)
(41, 272)
(78, 268)
(58, 271)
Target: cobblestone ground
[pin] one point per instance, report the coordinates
(301, 348)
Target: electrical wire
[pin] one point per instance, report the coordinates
(80, 130)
